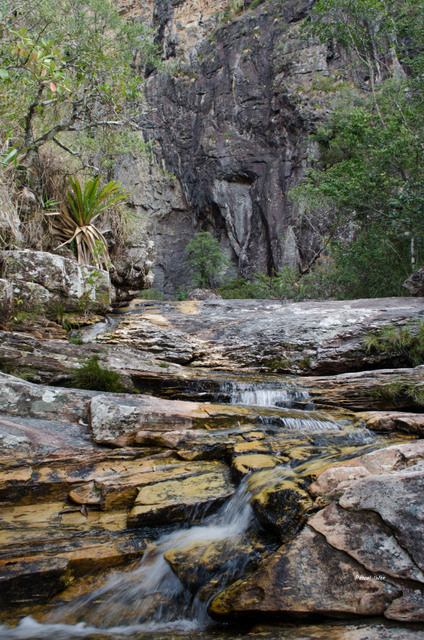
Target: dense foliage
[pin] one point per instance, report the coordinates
(71, 79)
(67, 70)
(370, 178)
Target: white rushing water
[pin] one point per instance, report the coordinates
(285, 395)
(150, 598)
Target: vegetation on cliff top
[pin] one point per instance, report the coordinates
(71, 93)
(369, 181)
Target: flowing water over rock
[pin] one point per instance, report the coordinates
(267, 438)
(266, 395)
(151, 599)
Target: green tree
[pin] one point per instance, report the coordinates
(205, 258)
(68, 70)
(371, 174)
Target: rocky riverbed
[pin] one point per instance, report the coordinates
(250, 492)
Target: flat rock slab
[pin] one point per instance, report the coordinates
(335, 480)
(52, 361)
(182, 499)
(364, 390)
(32, 580)
(321, 337)
(390, 421)
(335, 631)
(48, 360)
(45, 436)
(21, 398)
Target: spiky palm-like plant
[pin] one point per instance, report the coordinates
(83, 206)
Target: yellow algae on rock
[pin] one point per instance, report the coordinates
(178, 499)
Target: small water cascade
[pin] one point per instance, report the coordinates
(151, 594)
(266, 394)
(150, 599)
(90, 333)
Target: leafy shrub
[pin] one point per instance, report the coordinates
(151, 294)
(285, 285)
(205, 258)
(406, 343)
(400, 394)
(182, 293)
(75, 224)
(92, 376)
(240, 288)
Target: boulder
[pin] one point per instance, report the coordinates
(362, 554)
(306, 576)
(415, 283)
(206, 567)
(333, 481)
(362, 537)
(397, 498)
(203, 294)
(41, 278)
(283, 508)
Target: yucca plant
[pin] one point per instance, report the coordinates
(75, 223)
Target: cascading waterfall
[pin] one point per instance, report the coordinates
(148, 599)
(267, 395)
(151, 593)
(151, 599)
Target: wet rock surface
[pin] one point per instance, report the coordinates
(198, 564)
(64, 496)
(90, 479)
(371, 630)
(52, 361)
(361, 554)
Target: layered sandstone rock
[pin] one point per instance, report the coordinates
(268, 335)
(362, 554)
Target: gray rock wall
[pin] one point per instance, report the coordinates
(231, 114)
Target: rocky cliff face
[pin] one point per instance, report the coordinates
(230, 115)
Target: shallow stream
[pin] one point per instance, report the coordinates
(149, 601)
